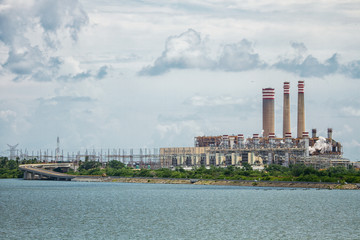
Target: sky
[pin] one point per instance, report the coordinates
(148, 74)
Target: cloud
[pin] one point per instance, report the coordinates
(175, 132)
(355, 143)
(239, 57)
(352, 69)
(188, 50)
(350, 111)
(58, 14)
(102, 72)
(76, 77)
(71, 99)
(66, 16)
(6, 115)
(32, 31)
(204, 101)
(306, 65)
(24, 61)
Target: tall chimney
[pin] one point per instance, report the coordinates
(268, 111)
(301, 110)
(314, 133)
(286, 110)
(329, 133)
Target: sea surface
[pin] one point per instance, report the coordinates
(82, 210)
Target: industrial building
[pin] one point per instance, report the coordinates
(235, 150)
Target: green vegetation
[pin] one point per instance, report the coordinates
(10, 168)
(298, 172)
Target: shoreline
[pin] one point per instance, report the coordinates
(319, 185)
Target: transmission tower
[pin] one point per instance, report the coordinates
(57, 151)
(12, 151)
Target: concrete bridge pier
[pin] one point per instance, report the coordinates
(41, 172)
(28, 175)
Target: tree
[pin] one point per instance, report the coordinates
(297, 169)
(89, 165)
(116, 164)
(12, 164)
(247, 167)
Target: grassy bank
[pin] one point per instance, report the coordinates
(225, 182)
(294, 173)
(273, 173)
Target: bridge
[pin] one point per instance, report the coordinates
(44, 171)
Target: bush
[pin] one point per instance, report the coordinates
(297, 169)
(164, 173)
(87, 165)
(309, 178)
(115, 164)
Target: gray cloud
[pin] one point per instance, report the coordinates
(188, 50)
(72, 99)
(31, 63)
(310, 66)
(214, 101)
(239, 57)
(102, 72)
(58, 14)
(299, 47)
(8, 28)
(352, 69)
(76, 77)
(307, 65)
(41, 76)
(50, 22)
(24, 62)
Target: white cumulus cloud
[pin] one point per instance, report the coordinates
(188, 51)
(32, 32)
(351, 111)
(6, 115)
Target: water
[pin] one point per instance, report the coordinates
(74, 210)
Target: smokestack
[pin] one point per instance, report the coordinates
(268, 111)
(286, 110)
(314, 133)
(301, 110)
(329, 133)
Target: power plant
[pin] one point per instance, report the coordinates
(225, 150)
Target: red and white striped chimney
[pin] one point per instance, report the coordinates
(268, 111)
(301, 109)
(286, 110)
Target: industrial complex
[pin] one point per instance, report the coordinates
(267, 148)
(225, 150)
